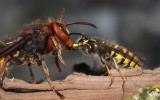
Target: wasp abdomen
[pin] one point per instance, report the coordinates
(124, 57)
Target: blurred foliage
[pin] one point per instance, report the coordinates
(147, 93)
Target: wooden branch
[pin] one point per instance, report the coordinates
(78, 86)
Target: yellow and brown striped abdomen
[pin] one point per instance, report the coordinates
(124, 57)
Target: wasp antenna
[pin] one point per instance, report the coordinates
(82, 23)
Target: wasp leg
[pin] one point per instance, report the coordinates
(56, 61)
(31, 74)
(58, 46)
(46, 71)
(3, 62)
(119, 72)
(107, 71)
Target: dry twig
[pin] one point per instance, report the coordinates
(78, 86)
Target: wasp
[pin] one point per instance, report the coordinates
(35, 40)
(108, 53)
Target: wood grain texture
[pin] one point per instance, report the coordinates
(78, 86)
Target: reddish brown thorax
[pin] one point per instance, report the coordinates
(47, 29)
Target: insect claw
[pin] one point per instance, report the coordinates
(111, 83)
(59, 94)
(123, 84)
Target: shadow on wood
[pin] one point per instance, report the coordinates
(78, 86)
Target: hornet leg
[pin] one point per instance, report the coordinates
(56, 61)
(46, 71)
(58, 46)
(31, 74)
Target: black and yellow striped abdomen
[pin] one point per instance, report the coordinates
(124, 57)
(2, 59)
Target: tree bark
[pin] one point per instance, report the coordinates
(78, 86)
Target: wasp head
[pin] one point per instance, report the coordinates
(83, 44)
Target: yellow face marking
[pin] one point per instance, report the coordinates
(75, 45)
(2, 61)
(85, 42)
(79, 44)
(118, 58)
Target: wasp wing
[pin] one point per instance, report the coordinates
(14, 46)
